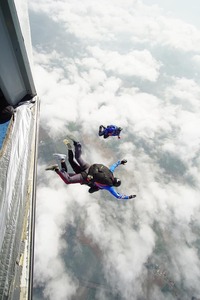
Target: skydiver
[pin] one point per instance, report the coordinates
(86, 177)
(110, 130)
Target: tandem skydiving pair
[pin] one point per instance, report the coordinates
(96, 176)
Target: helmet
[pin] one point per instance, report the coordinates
(116, 182)
(120, 129)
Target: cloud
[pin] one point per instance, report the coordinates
(131, 65)
(130, 20)
(134, 63)
(51, 271)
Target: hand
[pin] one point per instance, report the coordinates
(132, 196)
(123, 161)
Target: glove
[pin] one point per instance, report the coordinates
(123, 161)
(131, 196)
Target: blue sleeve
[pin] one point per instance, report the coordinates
(115, 193)
(113, 167)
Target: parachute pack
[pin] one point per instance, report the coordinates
(101, 174)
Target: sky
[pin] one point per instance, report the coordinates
(134, 64)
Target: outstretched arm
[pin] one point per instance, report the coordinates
(118, 195)
(115, 165)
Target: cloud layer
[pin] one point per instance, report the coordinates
(126, 63)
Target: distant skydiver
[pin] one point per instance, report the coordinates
(97, 176)
(110, 130)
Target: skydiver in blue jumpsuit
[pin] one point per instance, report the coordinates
(110, 130)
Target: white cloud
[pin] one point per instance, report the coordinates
(135, 63)
(196, 58)
(130, 20)
(51, 222)
(186, 92)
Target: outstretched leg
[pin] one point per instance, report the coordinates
(78, 155)
(69, 179)
(76, 168)
(61, 158)
(63, 165)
